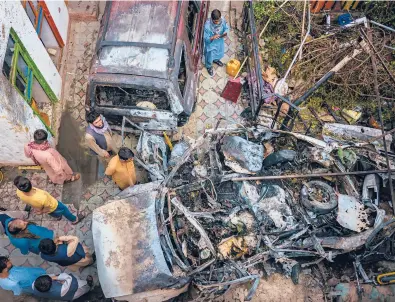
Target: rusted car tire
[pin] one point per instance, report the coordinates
(324, 206)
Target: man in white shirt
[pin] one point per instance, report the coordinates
(64, 287)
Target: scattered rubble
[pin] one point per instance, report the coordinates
(222, 227)
(257, 199)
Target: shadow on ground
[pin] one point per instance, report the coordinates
(78, 157)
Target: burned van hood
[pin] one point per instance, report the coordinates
(123, 80)
(130, 260)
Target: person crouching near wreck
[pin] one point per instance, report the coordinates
(121, 168)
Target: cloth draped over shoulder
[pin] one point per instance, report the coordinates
(215, 47)
(100, 140)
(54, 164)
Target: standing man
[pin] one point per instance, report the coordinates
(16, 278)
(54, 164)
(121, 168)
(99, 137)
(66, 251)
(215, 30)
(42, 201)
(64, 287)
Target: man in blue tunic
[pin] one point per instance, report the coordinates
(215, 30)
(16, 278)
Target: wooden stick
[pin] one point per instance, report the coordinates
(303, 21)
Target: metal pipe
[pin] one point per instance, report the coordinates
(327, 76)
(290, 176)
(382, 25)
(310, 91)
(321, 81)
(377, 92)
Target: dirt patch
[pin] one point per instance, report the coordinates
(278, 288)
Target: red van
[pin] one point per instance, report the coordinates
(147, 62)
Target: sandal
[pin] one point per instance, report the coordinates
(80, 217)
(89, 280)
(75, 177)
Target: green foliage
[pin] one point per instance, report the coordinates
(345, 90)
(281, 33)
(264, 10)
(380, 11)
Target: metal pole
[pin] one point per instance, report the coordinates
(382, 25)
(123, 130)
(290, 176)
(377, 92)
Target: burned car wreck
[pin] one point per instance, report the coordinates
(239, 203)
(147, 71)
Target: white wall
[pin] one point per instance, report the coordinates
(17, 124)
(12, 14)
(17, 120)
(60, 15)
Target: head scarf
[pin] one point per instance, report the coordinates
(216, 28)
(102, 130)
(34, 146)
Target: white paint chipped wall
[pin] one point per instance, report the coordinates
(17, 123)
(17, 120)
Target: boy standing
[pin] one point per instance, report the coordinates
(42, 201)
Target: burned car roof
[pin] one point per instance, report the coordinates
(130, 261)
(137, 37)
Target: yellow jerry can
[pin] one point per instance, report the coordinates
(232, 67)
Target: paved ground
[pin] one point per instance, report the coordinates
(210, 105)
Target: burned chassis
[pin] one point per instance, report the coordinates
(314, 246)
(206, 289)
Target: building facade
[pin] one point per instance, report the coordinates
(32, 37)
